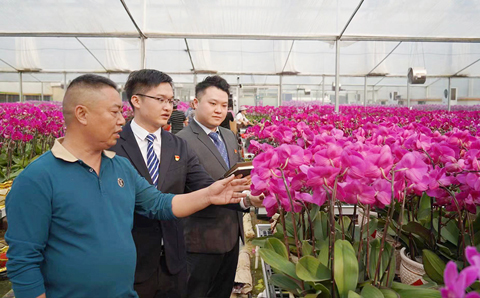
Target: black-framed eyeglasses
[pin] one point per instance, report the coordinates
(161, 100)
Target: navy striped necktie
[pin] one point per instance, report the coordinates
(220, 146)
(152, 159)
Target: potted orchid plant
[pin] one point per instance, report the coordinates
(307, 170)
(27, 130)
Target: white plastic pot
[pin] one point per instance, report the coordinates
(361, 219)
(411, 272)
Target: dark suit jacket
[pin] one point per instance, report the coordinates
(184, 175)
(213, 229)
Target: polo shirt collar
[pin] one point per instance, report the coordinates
(61, 152)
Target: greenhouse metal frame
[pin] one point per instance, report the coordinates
(362, 44)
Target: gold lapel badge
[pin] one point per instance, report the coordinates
(177, 157)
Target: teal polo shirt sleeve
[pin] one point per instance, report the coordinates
(70, 229)
(149, 201)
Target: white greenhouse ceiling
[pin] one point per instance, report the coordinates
(46, 38)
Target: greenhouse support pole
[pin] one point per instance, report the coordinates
(365, 92)
(408, 94)
(279, 98)
(21, 87)
(143, 60)
(65, 81)
(41, 84)
(449, 94)
(470, 87)
(323, 90)
(337, 76)
(236, 102)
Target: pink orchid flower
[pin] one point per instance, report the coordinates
(457, 283)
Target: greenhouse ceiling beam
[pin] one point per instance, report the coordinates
(385, 58)
(378, 82)
(244, 36)
(16, 70)
(96, 71)
(288, 87)
(90, 52)
(189, 55)
(49, 81)
(433, 82)
(31, 74)
(288, 56)
(168, 35)
(234, 85)
(350, 20)
(343, 85)
(71, 34)
(315, 37)
(456, 74)
(133, 20)
(410, 39)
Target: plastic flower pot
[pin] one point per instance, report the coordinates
(362, 220)
(411, 272)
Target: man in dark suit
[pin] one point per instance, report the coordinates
(161, 258)
(212, 235)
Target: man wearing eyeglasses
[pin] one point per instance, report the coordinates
(161, 255)
(161, 269)
(70, 212)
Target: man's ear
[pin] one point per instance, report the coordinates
(81, 114)
(135, 101)
(195, 103)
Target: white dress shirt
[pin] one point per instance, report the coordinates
(141, 138)
(207, 131)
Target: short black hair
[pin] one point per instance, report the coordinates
(73, 95)
(92, 81)
(140, 81)
(212, 81)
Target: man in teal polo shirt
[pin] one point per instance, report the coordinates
(70, 212)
